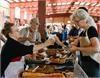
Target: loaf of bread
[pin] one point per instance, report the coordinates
(42, 75)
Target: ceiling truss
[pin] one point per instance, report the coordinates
(60, 6)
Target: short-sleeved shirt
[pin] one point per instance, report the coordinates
(91, 32)
(74, 32)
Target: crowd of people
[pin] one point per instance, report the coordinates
(21, 44)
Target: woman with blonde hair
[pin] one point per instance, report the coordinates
(90, 20)
(88, 43)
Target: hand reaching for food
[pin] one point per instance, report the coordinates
(49, 42)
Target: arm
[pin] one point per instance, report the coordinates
(24, 39)
(58, 41)
(75, 42)
(95, 44)
(95, 47)
(43, 45)
(93, 37)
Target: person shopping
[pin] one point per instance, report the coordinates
(13, 48)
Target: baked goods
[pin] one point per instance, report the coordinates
(42, 75)
(46, 69)
(51, 52)
(57, 60)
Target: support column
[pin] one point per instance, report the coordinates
(41, 16)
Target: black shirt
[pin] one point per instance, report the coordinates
(12, 49)
(91, 32)
(74, 32)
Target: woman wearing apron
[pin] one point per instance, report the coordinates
(89, 43)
